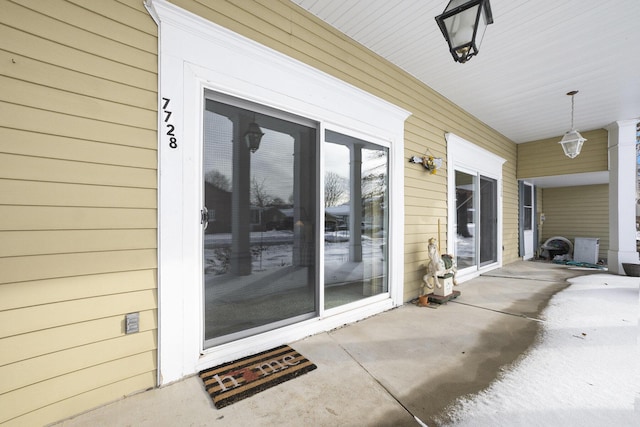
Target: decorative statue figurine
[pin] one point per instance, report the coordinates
(441, 270)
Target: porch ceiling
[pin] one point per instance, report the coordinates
(532, 55)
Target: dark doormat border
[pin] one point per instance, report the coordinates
(237, 380)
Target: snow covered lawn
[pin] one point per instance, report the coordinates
(585, 371)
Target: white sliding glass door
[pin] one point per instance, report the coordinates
(475, 220)
(475, 211)
(263, 231)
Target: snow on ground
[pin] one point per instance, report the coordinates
(585, 371)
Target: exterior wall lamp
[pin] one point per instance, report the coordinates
(253, 136)
(461, 22)
(572, 141)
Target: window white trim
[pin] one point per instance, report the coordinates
(465, 156)
(194, 55)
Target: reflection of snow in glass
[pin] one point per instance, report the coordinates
(466, 249)
(276, 248)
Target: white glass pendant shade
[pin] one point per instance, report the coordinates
(572, 143)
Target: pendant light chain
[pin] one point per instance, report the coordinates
(572, 104)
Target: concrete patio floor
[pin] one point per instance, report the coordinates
(392, 369)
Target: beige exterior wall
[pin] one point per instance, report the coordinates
(78, 205)
(546, 158)
(287, 28)
(78, 176)
(573, 212)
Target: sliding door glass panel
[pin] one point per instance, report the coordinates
(488, 220)
(466, 220)
(356, 219)
(259, 241)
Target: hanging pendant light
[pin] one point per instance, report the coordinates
(463, 24)
(572, 141)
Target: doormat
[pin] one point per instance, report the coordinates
(237, 380)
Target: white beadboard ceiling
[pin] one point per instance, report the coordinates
(531, 56)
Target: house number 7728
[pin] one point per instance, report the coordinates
(173, 141)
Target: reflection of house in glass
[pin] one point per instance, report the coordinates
(275, 218)
(220, 216)
(336, 217)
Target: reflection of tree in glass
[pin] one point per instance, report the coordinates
(335, 189)
(374, 185)
(217, 179)
(279, 203)
(374, 174)
(259, 195)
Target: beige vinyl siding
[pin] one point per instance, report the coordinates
(573, 212)
(78, 205)
(291, 30)
(546, 158)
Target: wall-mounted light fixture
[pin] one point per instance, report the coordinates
(463, 24)
(431, 163)
(253, 136)
(572, 141)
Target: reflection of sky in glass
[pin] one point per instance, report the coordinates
(217, 134)
(336, 159)
(273, 164)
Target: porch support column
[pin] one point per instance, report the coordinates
(355, 214)
(240, 257)
(622, 195)
(303, 203)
